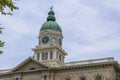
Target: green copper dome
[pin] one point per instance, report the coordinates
(51, 23)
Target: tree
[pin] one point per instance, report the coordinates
(6, 4)
(1, 43)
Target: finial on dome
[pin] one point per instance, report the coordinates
(51, 7)
(51, 15)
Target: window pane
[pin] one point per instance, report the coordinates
(44, 56)
(60, 57)
(98, 78)
(57, 55)
(68, 79)
(51, 54)
(45, 77)
(82, 78)
(38, 57)
(16, 79)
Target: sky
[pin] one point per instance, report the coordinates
(91, 29)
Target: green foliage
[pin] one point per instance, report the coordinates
(1, 43)
(4, 6)
(7, 4)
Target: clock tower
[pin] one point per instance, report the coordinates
(49, 49)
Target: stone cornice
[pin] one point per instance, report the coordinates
(49, 47)
(51, 32)
(25, 61)
(85, 66)
(62, 68)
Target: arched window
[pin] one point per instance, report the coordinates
(98, 77)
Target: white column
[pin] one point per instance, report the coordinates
(39, 56)
(35, 56)
(48, 55)
(54, 54)
(63, 59)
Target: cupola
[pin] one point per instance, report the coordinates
(51, 23)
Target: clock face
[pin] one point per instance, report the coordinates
(45, 39)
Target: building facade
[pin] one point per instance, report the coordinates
(48, 60)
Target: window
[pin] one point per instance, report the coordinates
(38, 56)
(60, 42)
(32, 68)
(98, 78)
(39, 41)
(82, 78)
(33, 79)
(57, 55)
(17, 79)
(67, 79)
(44, 56)
(33, 56)
(45, 77)
(51, 54)
(60, 57)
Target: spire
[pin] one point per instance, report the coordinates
(51, 15)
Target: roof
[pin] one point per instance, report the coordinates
(51, 23)
(93, 63)
(29, 59)
(5, 71)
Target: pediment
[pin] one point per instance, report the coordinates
(29, 64)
